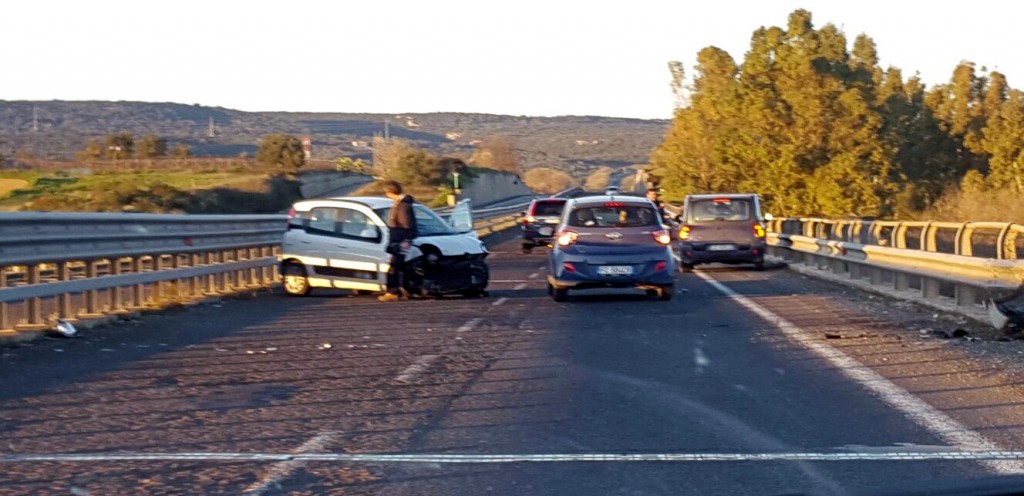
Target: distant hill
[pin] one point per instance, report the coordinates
(575, 142)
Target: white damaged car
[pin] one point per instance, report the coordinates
(340, 243)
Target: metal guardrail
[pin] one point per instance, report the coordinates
(968, 280)
(76, 266)
(998, 240)
(114, 263)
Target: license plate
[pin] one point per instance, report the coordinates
(545, 231)
(721, 247)
(615, 270)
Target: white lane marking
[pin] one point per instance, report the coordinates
(418, 367)
(500, 301)
(298, 458)
(468, 326)
(700, 360)
(946, 428)
(534, 275)
(519, 286)
(287, 466)
(509, 280)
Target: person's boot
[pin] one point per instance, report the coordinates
(386, 297)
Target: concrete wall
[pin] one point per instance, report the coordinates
(493, 186)
(330, 183)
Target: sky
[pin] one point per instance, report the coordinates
(519, 57)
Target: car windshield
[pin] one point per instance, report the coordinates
(548, 208)
(428, 223)
(720, 209)
(613, 216)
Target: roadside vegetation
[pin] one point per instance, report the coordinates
(822, 129)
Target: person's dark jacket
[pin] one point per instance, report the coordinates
(402, 220)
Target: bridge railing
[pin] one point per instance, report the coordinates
(969, 263)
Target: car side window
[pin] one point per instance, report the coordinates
(323, 221)
(357, 225)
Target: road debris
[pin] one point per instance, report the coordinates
(325, 346)
(66, 329)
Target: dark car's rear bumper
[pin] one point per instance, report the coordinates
(699, 253)
(542, 234)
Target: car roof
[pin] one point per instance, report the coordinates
(589, 201)
(374, 202)
(551, 199)
(726, 195)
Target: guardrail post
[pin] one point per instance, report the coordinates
(966, 296)
(4, 316)
(64, 299)
(877, 276)
(92, 299)
(158, 287)
(855, 271)
(116, 298)
(929, 288)
(211, 280)
(195, 284)
(33, 306)
(275, 270)
(138, 290)
(901, 281)
(251, 276)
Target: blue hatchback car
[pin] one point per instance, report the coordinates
(611, 242)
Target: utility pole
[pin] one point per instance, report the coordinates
(387, 130)
(35, 119)
(211, 132)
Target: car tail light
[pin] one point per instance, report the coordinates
(759, 230)
(568, 267)
(684, 233)
(566, 238)
(662, 236)
(614, 204)
(529, 219)
(660, 265)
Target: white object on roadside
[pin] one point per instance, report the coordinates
(66, 329)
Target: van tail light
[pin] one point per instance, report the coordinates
(684, 233)
(660, 265)
(662, 237)
(291, 215)
(566, 238)
(759, 231)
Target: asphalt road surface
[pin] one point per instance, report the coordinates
(745, 383)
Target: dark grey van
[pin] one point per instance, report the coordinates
(721, 229)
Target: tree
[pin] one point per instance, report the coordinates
(281, 150)
(547, 180)
(496, 152)
(181, 150)
(418, 167)
(93, 151)
(348, 165)
(1004, 141)
(118, 146)
(151, 146)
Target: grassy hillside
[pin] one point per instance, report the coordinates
(573, 143)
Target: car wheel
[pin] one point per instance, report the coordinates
(560, 294)
(665, 292)
(551, 290)
(296, 283)
(527, 249)
(685, 267)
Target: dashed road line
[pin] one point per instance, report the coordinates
(288, 464)
(519, 287)
(418, 367)
(499, 301)
(921, 413)
(534, 275)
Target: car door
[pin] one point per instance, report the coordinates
(319, 245)
(363, 260)
(461, 218)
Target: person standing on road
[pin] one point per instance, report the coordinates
(401, 231)
(666, 218)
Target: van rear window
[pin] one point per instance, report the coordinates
(720, 209)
